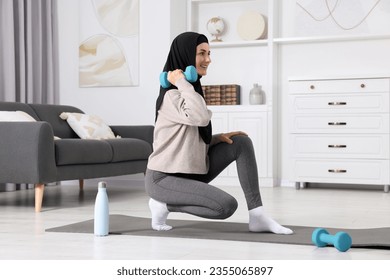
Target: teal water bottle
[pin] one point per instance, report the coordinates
(101, 221)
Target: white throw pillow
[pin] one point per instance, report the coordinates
(88, 126)
(15, 116)
(18, 116)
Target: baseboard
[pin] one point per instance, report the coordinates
(287, 183)
(113, 181)
(134, 179)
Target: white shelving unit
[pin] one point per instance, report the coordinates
(257, 120)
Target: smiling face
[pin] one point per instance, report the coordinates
(202, 58)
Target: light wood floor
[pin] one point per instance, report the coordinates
(23, 236)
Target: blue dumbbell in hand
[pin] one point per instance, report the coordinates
(341, 240)
(190, 74)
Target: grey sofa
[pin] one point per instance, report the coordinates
(30, 155)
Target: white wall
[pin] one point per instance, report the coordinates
(118, 105)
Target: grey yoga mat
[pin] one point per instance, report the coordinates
(378, 238)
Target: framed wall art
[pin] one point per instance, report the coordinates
(109, 43)
(338, 18)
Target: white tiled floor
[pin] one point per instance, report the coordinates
(23, 236)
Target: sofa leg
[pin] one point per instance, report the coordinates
(39, 189)
(81, 183)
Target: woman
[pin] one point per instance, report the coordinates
(186, 156)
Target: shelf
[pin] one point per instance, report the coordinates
(201, 11)
(238, 108)
(299, 40)
(238, 44)
(216, 1)
(325, 39)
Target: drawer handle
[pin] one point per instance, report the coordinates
(312, 87)
(337, 146)
(336, 103)
(362, 85)
(337, 171)
(337, 123)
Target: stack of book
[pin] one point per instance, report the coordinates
(222, 94)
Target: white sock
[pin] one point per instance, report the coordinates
(159, 215)
(260, 222)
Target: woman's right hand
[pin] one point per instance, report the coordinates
(174, 76)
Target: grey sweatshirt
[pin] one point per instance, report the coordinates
(178, 146)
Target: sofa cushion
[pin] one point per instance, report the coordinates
(88, 126)
(125, 149)
(51, 114)
(82, 151)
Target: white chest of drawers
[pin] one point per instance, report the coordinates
(339, 130)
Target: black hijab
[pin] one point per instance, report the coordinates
(181, 55)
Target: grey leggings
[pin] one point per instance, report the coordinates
(191, 193)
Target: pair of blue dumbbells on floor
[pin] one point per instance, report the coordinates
(190, 74)
(342, 241)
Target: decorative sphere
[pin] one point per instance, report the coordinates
(216, 26)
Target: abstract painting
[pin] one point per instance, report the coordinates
(109, 43)
(336, 17)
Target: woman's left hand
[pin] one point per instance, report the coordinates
(226, 137)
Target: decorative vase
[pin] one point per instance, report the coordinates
(256, 95)
(101, 221)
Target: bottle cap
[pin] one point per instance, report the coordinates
(102, 184)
